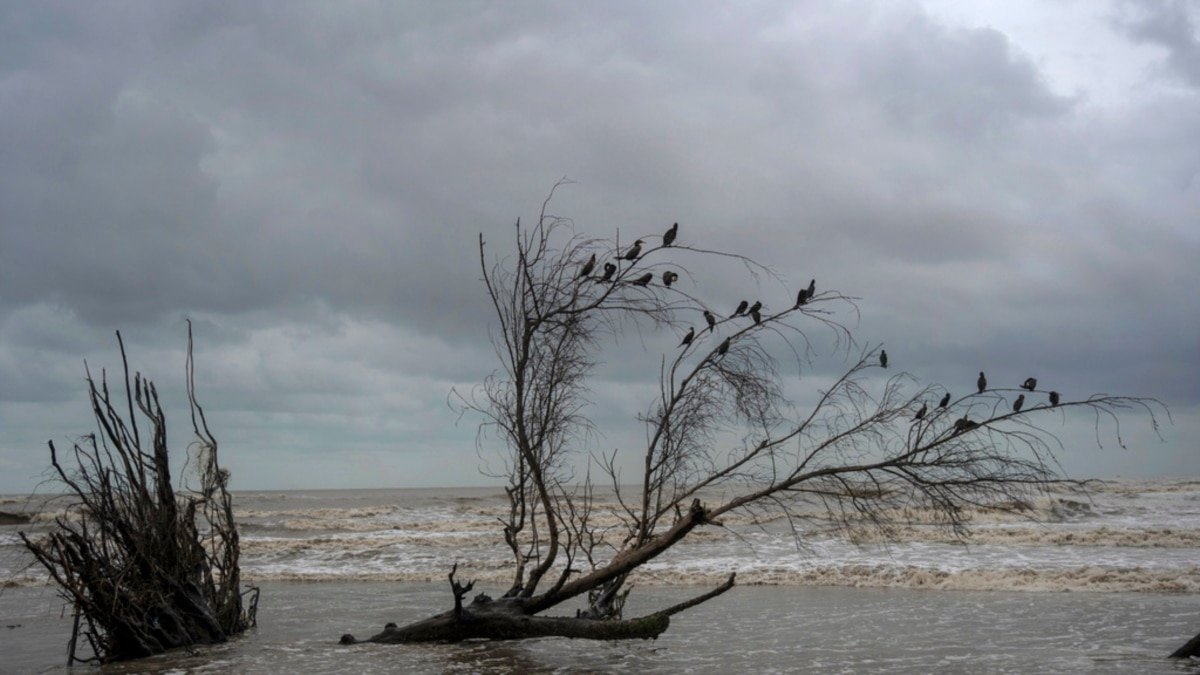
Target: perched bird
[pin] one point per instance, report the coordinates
(723, 348)
(712, 320)
(883, 359)
(1030, 384)
(588, 267)
(755, 307)
(644, 279)
(634, 251)
(756, 316)
(687, 339)
(741, 309)
(802, 297)
(669, 237)
(945, 401)
(981, 382)
(669, 278)
(963, 424)
(812, 288)
(609, 270)
(1053, 398)
(1018, 403)
(921, 413)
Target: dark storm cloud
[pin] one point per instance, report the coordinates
(307, 183)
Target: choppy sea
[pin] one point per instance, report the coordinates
(1107, 582)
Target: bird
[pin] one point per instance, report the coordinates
(963, 424)
(741, 309)
(755, 307)
(981, 382)
(921, 413)
(945, 401)
(756, 316)
(1053, 399)
(883, 358)
(669, 237)
(669, 278)
(1018, 403)
(687, 339)
(588, 267)
(723, 348)
(802, 297)
(712, 320)
(609, 269)
(812, 288)
(1030, 384)
(644, 279)
(634, 251)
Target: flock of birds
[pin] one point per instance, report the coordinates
(964, 424)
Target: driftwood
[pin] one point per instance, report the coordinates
(146, 568)
(1189, 650)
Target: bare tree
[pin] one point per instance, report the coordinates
(863, 450)
(146, 568)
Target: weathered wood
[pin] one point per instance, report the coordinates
(1191, 649)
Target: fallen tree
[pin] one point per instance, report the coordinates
(147, 568)
(863, 451)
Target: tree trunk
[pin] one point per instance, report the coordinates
(1192, 648)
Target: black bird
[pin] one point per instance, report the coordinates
(687, 339)
(669, 278)
(883, 360)
(741, 309)
(1018, 403)
(609, 270)
(712, 320)
(756, 316)
(802, 297)
(756, 306)
(644, 279)
(981, 382)
(588, 267)
(669, 237)
(921, 413)
(1053, 398)
(963, 424)
(812, 288)
(723, 348)
(945, 401)
(634, 251)
(1030, 384)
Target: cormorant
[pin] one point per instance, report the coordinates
(756, 316)
(812, 288)
(1030, 384)
(921, 413)
(634, 251)
(741, 309)
(669, 278)
(723, 348)
(687, 339)
(669, 237)
(755, 307)
(1018, 403)
(802, 297)
(963, 424)
(945, 401)
(609, 270)
(588, 267)
(1053, 398)
(883, 360)
(644, 279)
(981, 382)
(712, 320)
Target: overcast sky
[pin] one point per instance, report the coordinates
(1010, 186)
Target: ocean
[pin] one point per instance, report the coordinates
(1108, 582)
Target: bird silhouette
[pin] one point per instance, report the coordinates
(755, 307)
(883, 358)
(945, 401)
(741, 309)
(687, 339)
(981, 382)
(755, 315)
(669, 237)
(1054, 399)
(963, 424)
(723, 348)
(712, 320)
(588, 267)
(609, 269)
(634, 251)
(644, 279)
(921, 413)
(669, 278)
(1030, 384)
(812, 288)
(1018, 403)
(802, 297)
